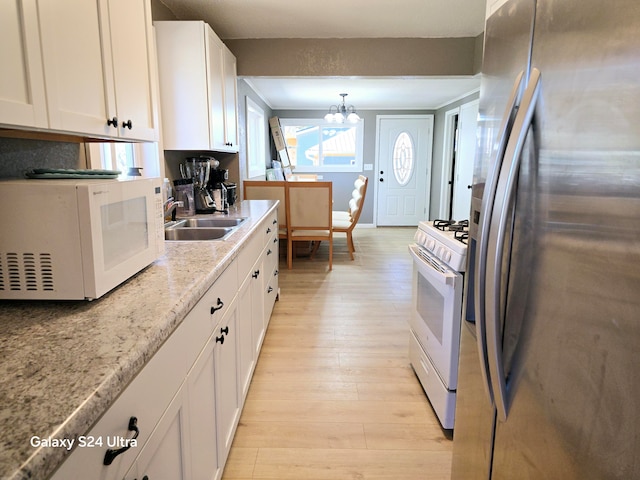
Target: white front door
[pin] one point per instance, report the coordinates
(404, 169)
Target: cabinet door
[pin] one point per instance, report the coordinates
(166, 453)
(246, 354)
(22, 95)
(203, 422)
(257, 307)
(73, 66)
(226, 374)
(131, 72)
(230, 100)
(216, 85)
(184, 81)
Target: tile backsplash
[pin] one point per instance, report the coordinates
(18, 156)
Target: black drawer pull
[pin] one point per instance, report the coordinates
(111, 454)
(220, 304)
(255, 274)
(225, 330)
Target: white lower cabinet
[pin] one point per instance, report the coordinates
(187, 400)
(166, 453)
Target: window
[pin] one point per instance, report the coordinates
(317, 146)
(122, 156)
(256, 140)
(118, 156)
(403, 158)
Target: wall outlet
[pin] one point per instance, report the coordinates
(368, 166)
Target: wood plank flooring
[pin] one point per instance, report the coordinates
(333, 396)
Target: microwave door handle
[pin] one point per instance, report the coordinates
(488, 199)
(505, 193)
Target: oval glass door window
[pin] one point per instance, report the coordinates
(403, 158)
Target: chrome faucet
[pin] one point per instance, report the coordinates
(170, 209)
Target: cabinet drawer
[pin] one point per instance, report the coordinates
(250, 253)
(205, 315)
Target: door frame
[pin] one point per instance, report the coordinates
(376, 175)
(446, 190)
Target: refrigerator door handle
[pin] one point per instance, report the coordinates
(505, 192)
(488, 199)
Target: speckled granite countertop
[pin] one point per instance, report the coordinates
(62, 364)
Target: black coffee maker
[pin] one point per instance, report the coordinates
(216, 186)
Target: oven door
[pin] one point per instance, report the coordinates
(436, 312)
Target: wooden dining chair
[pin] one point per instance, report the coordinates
(345, 221)
(269, 190)
(309, 216)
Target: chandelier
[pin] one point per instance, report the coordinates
(340, 113)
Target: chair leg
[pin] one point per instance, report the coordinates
(316, 245)
(289, 253)
(350, 244)
(330, 253)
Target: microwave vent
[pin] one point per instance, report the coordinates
(26, 272)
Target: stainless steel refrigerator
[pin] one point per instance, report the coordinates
(549, 375)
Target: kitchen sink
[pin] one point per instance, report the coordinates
(195, 234)
(210, 222)
(199, 229)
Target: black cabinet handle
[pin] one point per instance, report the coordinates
(275, 273)
(275, 240)
(220, 339)
(269, 252)
(225, 330)
(220, 304)
(268, 229)
(113, 122)
(111, 454)
(269, 290)
(127, 124)
(274, 221)
(255, 274)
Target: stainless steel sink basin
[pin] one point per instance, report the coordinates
(211, 222)
(195, 234)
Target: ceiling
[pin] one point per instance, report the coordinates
(364, 93)
(242, 19)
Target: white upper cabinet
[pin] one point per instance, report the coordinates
(129, 60)
(22, 95)
(198, 98)
(79, 67)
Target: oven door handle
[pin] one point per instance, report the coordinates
(428, 271)
(505, 193)
(488, 200)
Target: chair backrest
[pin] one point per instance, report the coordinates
(310, 205)
(268, 190)
(357, 197)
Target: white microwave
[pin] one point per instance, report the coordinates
(76, 239)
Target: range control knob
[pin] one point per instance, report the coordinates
(447, 256)
(431, 243)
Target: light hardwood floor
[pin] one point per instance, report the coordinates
(333, 395)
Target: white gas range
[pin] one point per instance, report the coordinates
(439, 252)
